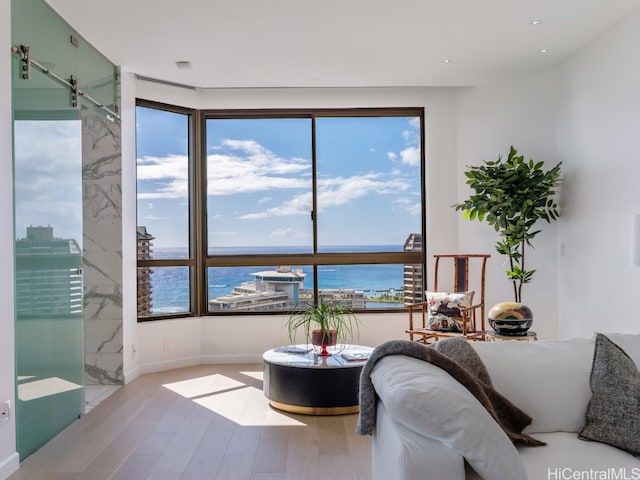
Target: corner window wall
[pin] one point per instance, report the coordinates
(288, 208)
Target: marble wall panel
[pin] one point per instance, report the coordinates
(102, 249)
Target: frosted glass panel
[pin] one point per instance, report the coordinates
(48, 253)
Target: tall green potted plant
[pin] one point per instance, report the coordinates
(323, 325)
(512, 195)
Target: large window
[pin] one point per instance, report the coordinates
(267, 211)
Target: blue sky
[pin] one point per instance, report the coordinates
(259, 180)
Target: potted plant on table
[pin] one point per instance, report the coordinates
(323, 325)
(512, 195)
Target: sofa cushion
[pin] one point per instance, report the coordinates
(535, 377)
(427, 400)
(613, 414)
(568, 457)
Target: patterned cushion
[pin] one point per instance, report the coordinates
(444, 310)
(613, 413)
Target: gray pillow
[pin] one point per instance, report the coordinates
(613, 413)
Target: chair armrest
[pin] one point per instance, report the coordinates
(413, 305)
(471, 307)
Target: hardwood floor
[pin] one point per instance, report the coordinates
(196, 423)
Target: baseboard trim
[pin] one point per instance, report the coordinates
(196, 360)
(232, 358)
(169, 364)
(9, 465)
(131, 375)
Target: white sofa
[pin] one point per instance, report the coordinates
(429, 427)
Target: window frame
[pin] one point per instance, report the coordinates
(191, 260)
(199, 260)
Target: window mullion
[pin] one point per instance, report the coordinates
(199, 215)
(314, 206)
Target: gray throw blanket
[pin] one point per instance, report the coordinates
(460, 360)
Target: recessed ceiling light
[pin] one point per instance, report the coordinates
(543, 50)
(446, 60)
(183, 64)
(535, 22)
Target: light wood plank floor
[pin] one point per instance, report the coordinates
(196, 423)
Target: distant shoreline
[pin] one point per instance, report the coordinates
(381, 283)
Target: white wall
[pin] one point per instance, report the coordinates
(584, 112)
(8, 455)
(237, 339)
(245, 338)
(131, 365)
(599, 142)
(519, 111)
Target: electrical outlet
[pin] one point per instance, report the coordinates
(5, 411)
(168, 344)
(133, 351)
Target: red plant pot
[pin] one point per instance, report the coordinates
(324, 340)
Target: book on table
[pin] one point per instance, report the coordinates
(355, 356)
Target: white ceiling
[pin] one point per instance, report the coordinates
(338, 43)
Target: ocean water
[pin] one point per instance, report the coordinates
(171, 292)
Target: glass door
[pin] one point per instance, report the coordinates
(48, 254)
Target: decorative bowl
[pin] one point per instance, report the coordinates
(510, 318)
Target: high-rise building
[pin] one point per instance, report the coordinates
(48, 274)
(282, 289)
(145, 288)
(413, 283)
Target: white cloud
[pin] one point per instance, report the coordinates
(338, 191)
(246, 167)
(410, 156)
(299, 204)
(254, 169)
(288, 233)
(334, 192)
(170, 172)
(409, 205)
(262, 159)
(415, 209)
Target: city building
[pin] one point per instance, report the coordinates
(48, 275)
(145, 288)
(413, 285)
(281, 289)
(271, 290)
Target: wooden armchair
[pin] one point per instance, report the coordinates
(454, 312)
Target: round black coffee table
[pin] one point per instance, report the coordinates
(298, 380)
